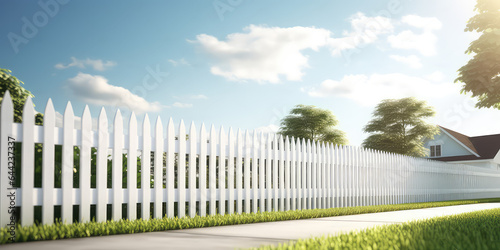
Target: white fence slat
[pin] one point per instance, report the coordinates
(293, 175)
(181, 171)
(117, 166)
(230, 173)
(309, 161)
(304, 175)
(248, 174)
(298, 167)
(170, 185)
(6, 143)
(132, 168)
(269, 159)
(222, 171)
(85, 154)
(262, 160)
(146, 169)
(212, 171)
(158, 170)
(287, 178)
(67, 165)
(102, 167)
(274, 183)
(27, 164)
(193, 141)
(49, 123)
(255, 171)
(314, 174)
(281, 176)
(203, 171)
(239, 174)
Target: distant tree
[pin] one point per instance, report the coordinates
(481, 75)
(17, 93)
(398, 126)
(309, 122)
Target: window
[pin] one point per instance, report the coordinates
(436, 151)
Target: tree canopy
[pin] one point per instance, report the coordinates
(312, 123)
(398, 126)
(17, 93)
(481, 75)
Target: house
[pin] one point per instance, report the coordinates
(453, 147)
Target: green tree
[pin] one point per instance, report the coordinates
(398, 126)
(310, 122)
(481, 75)
(18, 94)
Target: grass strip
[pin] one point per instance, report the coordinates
(474, 230)
(77, 230)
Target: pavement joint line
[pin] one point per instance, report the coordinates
(232, 236)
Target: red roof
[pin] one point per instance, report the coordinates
(485, 146)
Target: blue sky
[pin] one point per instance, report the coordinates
(243, 64)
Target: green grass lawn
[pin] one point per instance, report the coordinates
(475, 230)
(76, 230)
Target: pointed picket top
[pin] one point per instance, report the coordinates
(49, 113)
(182, 130)
(247, 138)
(103, 120)
(231, 138)
(132, 122)
(213, 135)
(6, 97)
(170, 129)
(192, 131)
(7, 107)
(118, 122)
(239, 138)
(28, 108)
(221, 134)
(86, 120)
(203, 133)
(68, 113)
(158, 126)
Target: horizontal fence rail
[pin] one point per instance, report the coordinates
(84, 174)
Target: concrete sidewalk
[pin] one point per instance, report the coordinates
(248, 235)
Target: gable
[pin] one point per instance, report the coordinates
(449, 146)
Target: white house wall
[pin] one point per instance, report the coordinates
(449, 147)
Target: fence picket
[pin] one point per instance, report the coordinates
(239, 173)
(212, 171)
(287, 178)
(262, 162)
(281, 174)
(132, 167)
(102, 167)
(255, 172)
(49, 124)
(146, 169)
(230, 173)
(247, 174)
(170, 185)
(203, 171)
(193, 140)
(158, 170)
(6, 150)
(181, 171)
(117, 166)
(222, 171)
(66, 169)
(85, 170)
(28, 168)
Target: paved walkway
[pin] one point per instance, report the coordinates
(249, 235)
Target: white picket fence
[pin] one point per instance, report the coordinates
(260, 172)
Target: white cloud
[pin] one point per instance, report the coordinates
(182, 105)
(365, 30)
(412, 60)
(98, 65)
(370, 90)
(96, 90)
(266, 54)
(436, 76)
(182, 61)
(199, 97)
(424, 42)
